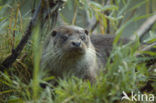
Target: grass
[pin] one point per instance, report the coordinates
(124, 74)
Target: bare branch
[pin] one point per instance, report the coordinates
(16, 52)
(145, 27)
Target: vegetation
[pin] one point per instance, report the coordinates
(127, 72)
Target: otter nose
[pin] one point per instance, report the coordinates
(76, 44)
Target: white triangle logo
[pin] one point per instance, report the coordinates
(125, 96)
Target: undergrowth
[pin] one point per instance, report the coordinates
(125, 73)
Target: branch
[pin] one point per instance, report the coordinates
(145, 27)
(149, 47)
(92, 23)
(107, 14)
(16, 52)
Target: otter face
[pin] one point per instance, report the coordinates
(71, 39)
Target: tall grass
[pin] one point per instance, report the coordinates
(37, 55)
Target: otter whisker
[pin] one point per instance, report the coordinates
(97, 53)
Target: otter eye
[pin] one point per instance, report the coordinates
(86, 32)
(64, 38)
(83, 38)
(53, 33)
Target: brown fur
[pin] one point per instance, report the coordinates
(61, 55)
(103, 45)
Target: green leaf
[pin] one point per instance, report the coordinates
(109, 7)
(96, 5)
(137, 5)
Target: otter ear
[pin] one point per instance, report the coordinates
(86, 32)
(53, 34)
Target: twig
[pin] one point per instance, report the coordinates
(15, 53)
(108, 21)
(93, 23)
(149, 47)
(150, 59)
(94, 26)
(145, 27)
(75, 13)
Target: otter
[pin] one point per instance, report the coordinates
(68, 50)
(104, 44)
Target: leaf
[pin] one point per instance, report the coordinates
(48, 78)
(114, 18)
(138, 5)
(149, 52)
(7, 91)
(3, 18)
(109, 7)
(96, 5)
(1, 8)
(142, 17)
(151, 38)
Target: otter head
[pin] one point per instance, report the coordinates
(71, 40)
